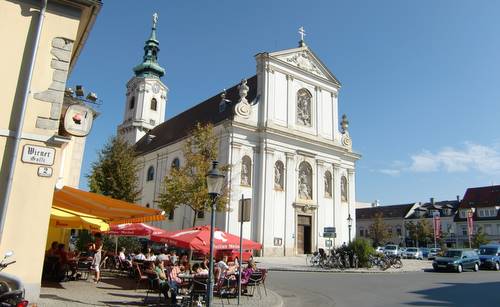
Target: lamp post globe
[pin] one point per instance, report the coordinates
(215, 181)
(349, 224)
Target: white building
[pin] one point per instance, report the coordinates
(279, 130)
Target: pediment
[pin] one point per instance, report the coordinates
(304, 59)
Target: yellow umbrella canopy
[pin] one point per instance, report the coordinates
(71, 219)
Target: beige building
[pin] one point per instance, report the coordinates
(41, 44)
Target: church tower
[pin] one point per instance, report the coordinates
(146, 98)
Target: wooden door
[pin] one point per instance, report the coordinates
(304, 234)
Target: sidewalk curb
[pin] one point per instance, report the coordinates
(271, 269)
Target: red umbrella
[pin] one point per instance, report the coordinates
(198, 238)
(135, 230)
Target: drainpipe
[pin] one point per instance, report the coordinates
(17, 137)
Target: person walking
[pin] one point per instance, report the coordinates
(96, 262)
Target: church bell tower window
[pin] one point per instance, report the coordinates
(132, 103)
(151, 173)
(154, 104)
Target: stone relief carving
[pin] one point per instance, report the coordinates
(346, 139)
(343, 188)
(278, 175)
(328, 184)
(243, 108)
(305, 181)
(304, 61)
(246, 175)
(304, 107)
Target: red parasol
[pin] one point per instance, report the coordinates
(198, 238)
(135, 230)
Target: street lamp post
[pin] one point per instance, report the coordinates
(349, 224)
(214, 184)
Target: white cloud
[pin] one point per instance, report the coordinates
(472, 157)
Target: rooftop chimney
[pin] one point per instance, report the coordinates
(376, 203)
(458, 198)
(432, 200)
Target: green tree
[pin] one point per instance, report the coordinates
(114, 174)
(186, 185)
(131, 244)
(479, 238)
(363, 249)
(425, 232)
(411, 230)
(378, 230)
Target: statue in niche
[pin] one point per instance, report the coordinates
(343, 188)
(278, 175)
(305, 181)
(328, 184)
(304, 107)
(245, 171)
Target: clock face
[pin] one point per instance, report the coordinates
(156, 88)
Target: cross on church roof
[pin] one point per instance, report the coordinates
(302, 33)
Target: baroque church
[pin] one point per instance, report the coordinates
(280, 132)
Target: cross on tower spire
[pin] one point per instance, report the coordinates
(302, 33)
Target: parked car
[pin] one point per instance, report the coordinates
(489, 255)
(433, 253)
(457, 260)
(425, 252)
(392, 250)
(379, 249)
(412, 253)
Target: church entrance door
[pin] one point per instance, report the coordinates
(304, 239)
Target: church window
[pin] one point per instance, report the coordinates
(200, 214)
(328, 184)
(151, 174)
(246, 171)
(305, 181)
(147, 205)
(343, 188)
(278, 175)
(176, 164)
(154, 104)
(171, 214)
(132, 103)
(304, 99)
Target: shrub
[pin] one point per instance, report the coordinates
(363, 249)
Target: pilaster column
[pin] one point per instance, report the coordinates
(319, 196)
(318, 110)
(290, 192)
(352, 198)
(337, 209)
(289, 102)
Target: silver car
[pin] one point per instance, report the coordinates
(413, 253)
(392, 250)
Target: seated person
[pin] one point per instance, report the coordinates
(150, 256)
(63, 261)
(247, 272)
(224, 267)
(184, 264)
(139, 256)
(123, 259)
(53, 250)
(200, 269)
(162, 256)
(159, 269)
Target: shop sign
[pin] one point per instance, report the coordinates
(38, 155)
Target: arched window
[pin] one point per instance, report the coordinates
(176, 164)
(154, 104)
(131, 104)
(305, 181)
(147, 205)
(278, 175)
(328, 184)
(343, 188)
(246, 171)
(304, 100)
(151, 173)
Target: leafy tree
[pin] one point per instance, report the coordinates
(479, 238)
(83, 240)
(186, 185)
(411, 229)
(425, 232)
(378, 230)
(114, 174)
(131, 244)
(363, 249)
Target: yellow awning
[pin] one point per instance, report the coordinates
(68, 219)
(110, 210)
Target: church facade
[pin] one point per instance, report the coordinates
(280, 132)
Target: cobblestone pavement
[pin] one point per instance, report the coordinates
(120, 291)
(298, 263)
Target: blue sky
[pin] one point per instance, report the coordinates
(420, 78)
